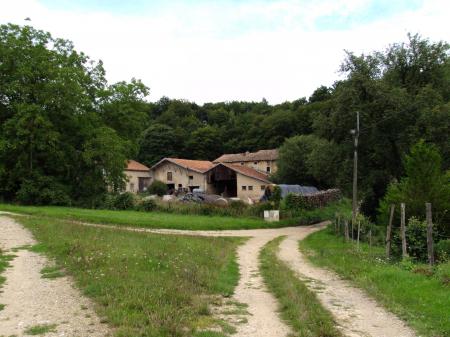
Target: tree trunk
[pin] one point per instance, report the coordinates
(430, 234)
(388, 232)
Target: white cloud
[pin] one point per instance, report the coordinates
(225, 52)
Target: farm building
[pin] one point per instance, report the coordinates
(262, 160)
(182, 174)
(221, 178)
(138, 177)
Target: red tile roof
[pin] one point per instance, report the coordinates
(195, 165)
(249, 172)
(246, 171)
(248, 156)
(133, 165)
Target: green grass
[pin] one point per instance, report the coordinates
(422, 300)
(40, 329)
(299, 306)
(51, 272)
(4, 263)
(171, 220)
(143, 284)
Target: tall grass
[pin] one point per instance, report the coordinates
(144, 284)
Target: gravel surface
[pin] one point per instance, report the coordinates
(357, 314)
(31, 300)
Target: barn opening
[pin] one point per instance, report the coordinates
(223, 180)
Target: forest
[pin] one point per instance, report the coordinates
(65, 132)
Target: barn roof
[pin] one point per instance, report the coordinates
(200, 166)
(133, 165)
(246, 171)
(248, 156)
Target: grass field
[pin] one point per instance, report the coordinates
(418, 296)
(299, 306)
(143, 284)
(170, 220)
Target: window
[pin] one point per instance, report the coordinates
(191, 177)
(180, 185)
(250, 188)
(131, 187)
(268, 169)
(244, 188)
(169, 176)
(242, 163)
(263, 187)
(255, 163)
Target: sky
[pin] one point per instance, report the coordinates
(217, 50)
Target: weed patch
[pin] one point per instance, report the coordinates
(40, 329)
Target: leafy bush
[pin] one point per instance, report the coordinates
(442, 250)
(124, 201)
(43, 190)
(147, 205)
(416, 238)
(275, 197)
(158, 188)
(238, 206)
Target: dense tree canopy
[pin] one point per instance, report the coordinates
(62, 128)
(60, 120)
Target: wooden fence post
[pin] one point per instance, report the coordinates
(388, 232)
(346, 230)
(430, 234)
(403, 230)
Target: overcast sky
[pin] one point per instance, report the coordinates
(209, 51)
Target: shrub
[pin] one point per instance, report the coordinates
(237, 206)
(147, 205)
(258, 209)
(158, 188)
(43, 190)
(124, 201)
(442, 250)
(416, 238)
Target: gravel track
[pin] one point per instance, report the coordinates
(356, 313)
(31, 300)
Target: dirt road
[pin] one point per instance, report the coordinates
(31, 300)
(355, 313)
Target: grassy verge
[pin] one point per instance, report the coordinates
(299, 306)
(169, 220)
(143, 284)
(420, 298)
(4, 263)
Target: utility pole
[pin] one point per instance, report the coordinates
(355, 133)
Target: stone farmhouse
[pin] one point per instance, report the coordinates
(138, 177)
(243, 175)
(262, 160)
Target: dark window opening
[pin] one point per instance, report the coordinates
(244, 188)
(169, 176)
(250, 188)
